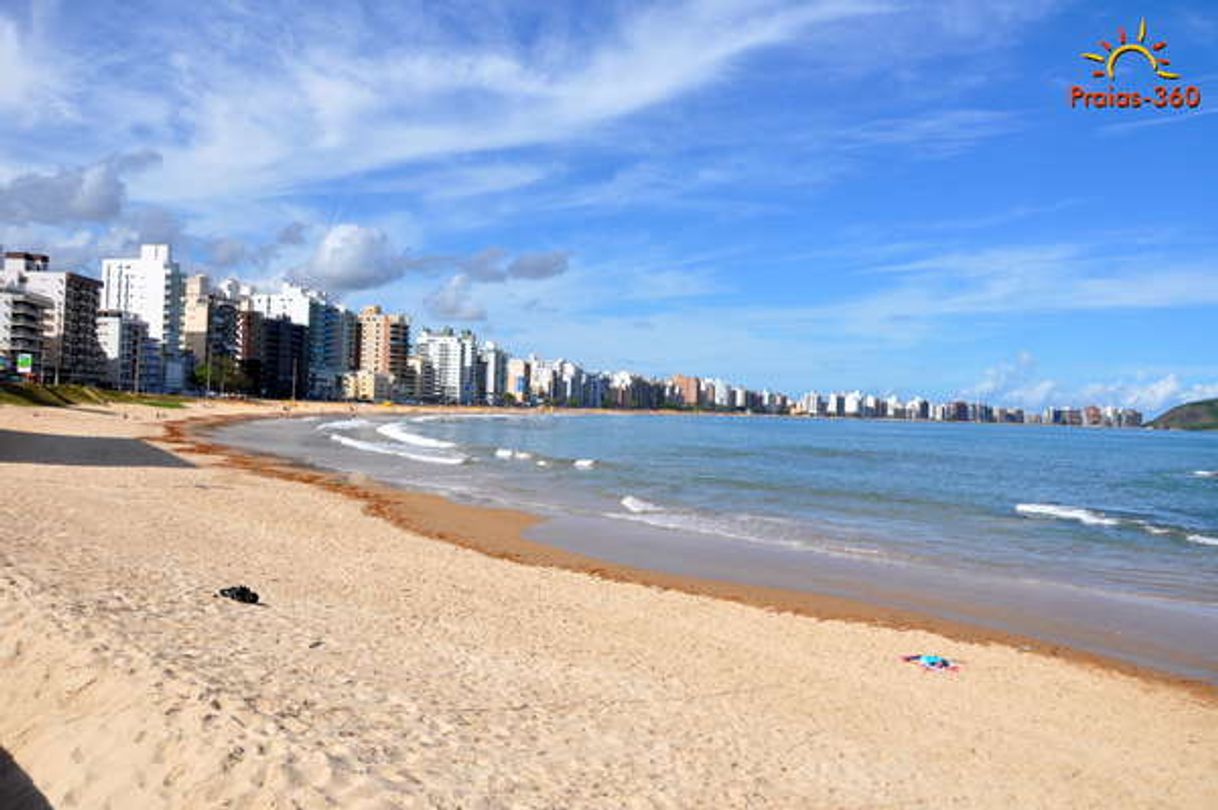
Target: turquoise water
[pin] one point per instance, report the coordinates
(1096, 517)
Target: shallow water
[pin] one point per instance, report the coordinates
(1104, 539)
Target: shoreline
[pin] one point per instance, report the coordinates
(382, 668)
(499, 533)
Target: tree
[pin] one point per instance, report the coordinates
(225, 375)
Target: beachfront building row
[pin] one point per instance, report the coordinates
(857, 405)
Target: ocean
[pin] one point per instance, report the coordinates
(1105, 540)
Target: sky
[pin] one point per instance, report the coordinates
(891, 196)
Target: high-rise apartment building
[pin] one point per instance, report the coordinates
(492, 374)
(384, 341)
(71, 352)
(150, 287)
(23, 314)
(452, 358)
(123, 339)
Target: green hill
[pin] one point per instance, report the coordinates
(1202, 415)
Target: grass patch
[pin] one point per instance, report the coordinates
(61, 396)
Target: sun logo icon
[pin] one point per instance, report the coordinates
(1125, 48)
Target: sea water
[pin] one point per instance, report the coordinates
(1105, 539)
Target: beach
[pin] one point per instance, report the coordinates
(386, 668)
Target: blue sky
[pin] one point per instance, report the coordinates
(894, 196)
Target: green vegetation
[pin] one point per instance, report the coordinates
(226, 374)
(1201, 415)
(63, 396)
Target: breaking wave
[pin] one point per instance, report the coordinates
(389, 449)
(400, 434)
(1076, 513)
(584, 463)
(1091, 517)
(344, 424)
(1206, 473)
(639, 506)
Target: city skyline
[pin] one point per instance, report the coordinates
(765, 194)
(148, 326)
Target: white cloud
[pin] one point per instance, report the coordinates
(539, 265)
(353, 257)
(95, 193)
(1151, 396)
(453, 300)
(350, 100)
(31, 84)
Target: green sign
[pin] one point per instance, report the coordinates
(25, 363)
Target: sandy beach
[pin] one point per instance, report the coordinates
(389, 669)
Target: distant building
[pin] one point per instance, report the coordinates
(451, 358)
(209, 322)
(21, 342)
(23, 315)
(331, 350)
(284, 372)
(917, 408)
(123, 339)
(492, 374)
(71, 350)
(384, 341)
(688, 390)
(518, 379)
(367, 386)
(151, 287)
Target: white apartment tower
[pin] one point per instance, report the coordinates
(451, 359)
(150, 287)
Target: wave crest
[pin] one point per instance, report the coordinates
(343, 424)
(1087, 517)
(639, 506)
(400, 434)
(389, 449)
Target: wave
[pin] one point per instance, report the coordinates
(398, 433)
(507, 452)
(389, 449)
(639, 506)
(1087, 517)
(344, 424)
(584, 463)
(1206, 473)
(751, 529)
(1091, 517)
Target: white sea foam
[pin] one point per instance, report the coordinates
(522, 455)
(503, 452)
(344, 424)
(389, 449)
(731, 530)
(1087, 517)
(1206, 473)
(584, 463)
(1202, 539)
(639, 506)
(400, 434)
(543, 463)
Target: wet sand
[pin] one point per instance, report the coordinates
(388, 669)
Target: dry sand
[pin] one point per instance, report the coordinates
(387, 669)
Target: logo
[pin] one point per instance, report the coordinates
(1129, 56)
